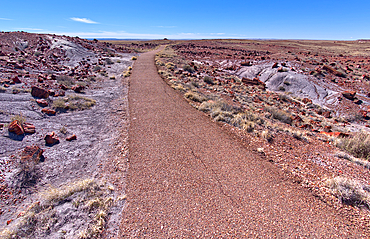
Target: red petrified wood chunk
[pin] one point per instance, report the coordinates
(39, 92)
(29, 128)
(42, 102)
(48, 111)
(349, 94)
(31, 153)
(51, 138)
(16, 127)
(72, 137)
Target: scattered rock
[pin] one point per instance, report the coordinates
(48, 111)
(246, 63)
(39, 92)
(29, 128)
(307, 101)
(16, 80)
(349, 94)
(335, 134)
(51, 138)
(72, 137)
(16, 127)
(255, 81)
(78, 88)
(32, 154)
(42, 102)
(333, 71)
(326, 114)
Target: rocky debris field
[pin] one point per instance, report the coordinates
(302, 105)
(63, 125)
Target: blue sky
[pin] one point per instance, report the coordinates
(144, 19)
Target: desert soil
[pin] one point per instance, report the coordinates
(189, 177)
(45, 202)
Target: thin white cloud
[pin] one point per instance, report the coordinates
(5, 19)
(84, 20)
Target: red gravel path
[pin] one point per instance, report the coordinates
(188, 178)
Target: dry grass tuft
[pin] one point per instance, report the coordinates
(267, 136)
(195, 96)
(350, 191)
(358, 146)
(43, 216)
(280, 115)
(73, 102)
(21, 119)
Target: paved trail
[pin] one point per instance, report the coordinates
(188, 178)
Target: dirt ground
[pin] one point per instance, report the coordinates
(63, 194)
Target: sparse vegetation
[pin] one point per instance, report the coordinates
(88, 197)
(20, 118)
(65, 80)
(73, 102)
(208, 80)
(188, 68)
(358, 145)
(195, 96)
(350, 191)
(279, 115)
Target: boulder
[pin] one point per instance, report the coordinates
(275, 65)
(31, 154)
(16, 127)
(42, 102)
(51, 138)
(39, 92)
(29, 128)
(48, 111)
(349, 94)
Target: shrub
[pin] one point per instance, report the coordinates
(358, 146)
(73, 102)
(208, 80)
(65, 80)
(267, 135)
(350, 191)
(194, 96)
(170, 65)
(280, 115)
(97, 68)
(21, 119)
(108, 61)
(189, 69)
